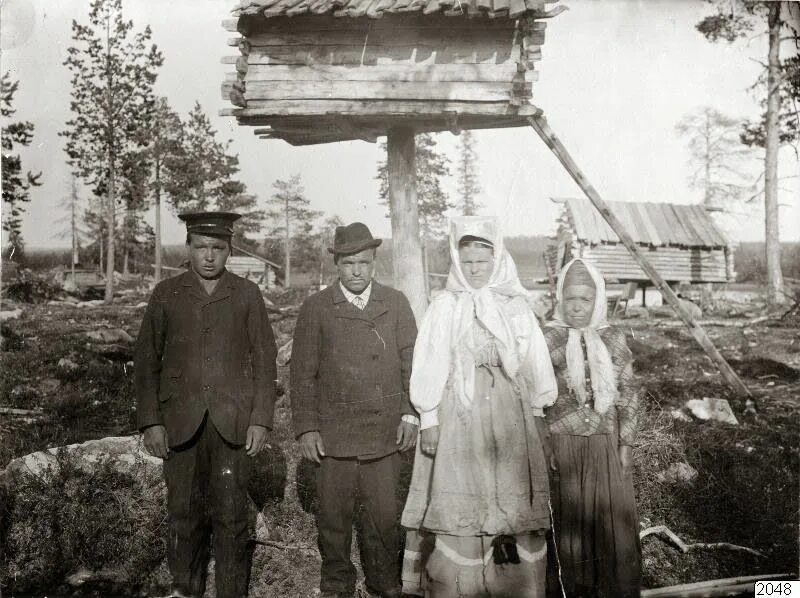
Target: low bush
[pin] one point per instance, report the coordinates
(66, 520)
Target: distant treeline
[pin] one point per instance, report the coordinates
(527, 252)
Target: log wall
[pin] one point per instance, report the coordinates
(307, 65)
(675, 264)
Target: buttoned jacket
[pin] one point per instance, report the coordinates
(199, 353)
(350, 370)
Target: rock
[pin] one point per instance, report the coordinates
(127, 451)
(693, 309)
(10, 314)
(110, 335)
(48, 386)
(679, 473)
(712, 409)
(92, 303)
(636, 311)
(285, 354)
(680, 415)
(67, 364)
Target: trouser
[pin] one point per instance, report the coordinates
(338, 481)
(207, 493)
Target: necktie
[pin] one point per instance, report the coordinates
(358, 302)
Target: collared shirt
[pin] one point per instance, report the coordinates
(360, 302)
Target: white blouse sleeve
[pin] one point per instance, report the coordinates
(431, 365)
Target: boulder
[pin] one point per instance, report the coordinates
(679, 473)
(10, 314)
(127, 451)
(67, 364)
(712, 409)
(109, 335)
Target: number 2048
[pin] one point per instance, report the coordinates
(777, 588)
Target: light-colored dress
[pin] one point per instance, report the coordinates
(481, 373)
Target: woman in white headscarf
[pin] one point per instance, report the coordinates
(592, 426)
(481, 376)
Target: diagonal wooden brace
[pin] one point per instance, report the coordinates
(539, 124)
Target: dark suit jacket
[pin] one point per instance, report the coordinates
(198, 352)
(350, 370)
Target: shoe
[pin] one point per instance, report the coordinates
(179, 592)
(336, 595)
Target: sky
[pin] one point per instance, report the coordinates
(615, 78)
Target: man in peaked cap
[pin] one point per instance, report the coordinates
(205, 388)
(351, 364)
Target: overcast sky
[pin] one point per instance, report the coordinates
(614, 80)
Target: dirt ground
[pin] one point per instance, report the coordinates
(745, 493)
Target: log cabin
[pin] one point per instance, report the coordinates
(681, 241)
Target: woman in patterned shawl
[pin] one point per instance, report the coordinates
(592, 426)
(480, 379)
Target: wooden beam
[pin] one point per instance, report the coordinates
(310, 108)
(406, 244)
(539, 124)
(260, 68)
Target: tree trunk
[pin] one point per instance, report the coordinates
(287, 281)
(426, 267)
(110, 219)
(100, 242)
(772, 222)
(157, 274)
(74, 227)
(406, 245)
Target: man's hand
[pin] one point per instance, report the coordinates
(155, 441)
(256, 439)
(553, 463)
(429, 440)
(406, 435)
(626, 458)
(311, 446)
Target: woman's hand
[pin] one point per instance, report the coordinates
(626, 458)
(429, 440)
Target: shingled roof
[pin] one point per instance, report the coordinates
(377, 8)
(655, 224)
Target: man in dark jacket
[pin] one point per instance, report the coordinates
(351, 364)
(205, 388)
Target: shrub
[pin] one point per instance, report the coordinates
(68, 519)
(31, 288)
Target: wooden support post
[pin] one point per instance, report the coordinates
(539, 124)
(406, 239)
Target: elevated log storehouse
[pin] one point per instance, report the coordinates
(319, 71)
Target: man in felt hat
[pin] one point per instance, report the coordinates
(351, 364)
(205, 388)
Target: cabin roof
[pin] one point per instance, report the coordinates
(377, 8)
(656, 224)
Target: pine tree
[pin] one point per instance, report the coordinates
(468, 185)
(292, 218)
(16, 186)
(113, 72)
(736, 19)
(203, 176)
(165, 152)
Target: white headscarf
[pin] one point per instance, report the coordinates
(445, 338)
(601, 368)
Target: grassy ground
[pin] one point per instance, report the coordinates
(745, 493)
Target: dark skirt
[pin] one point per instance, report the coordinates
(596, 524)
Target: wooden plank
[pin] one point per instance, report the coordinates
(541, 127)
(388, 23)
(358, 90)
(306, 108)
(408, 37)
(371, 55)
(388, 73)
(230, 25)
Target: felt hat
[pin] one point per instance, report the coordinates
(353, 238)
(210, 223)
